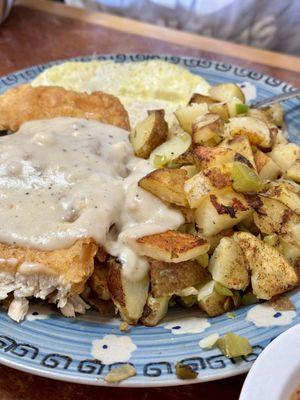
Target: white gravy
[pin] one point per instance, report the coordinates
(67, 178)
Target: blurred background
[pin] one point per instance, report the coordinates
(269, 24)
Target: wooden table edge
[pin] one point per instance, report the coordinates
(279, 60)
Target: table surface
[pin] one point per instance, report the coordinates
(39, 31)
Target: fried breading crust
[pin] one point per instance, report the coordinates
(26, 103)
(73, 265)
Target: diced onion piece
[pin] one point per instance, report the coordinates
(184, 371)
(272, 240)
(248, 299)
(245, 179)
(232, 345)
(242, 108)
(203, 260)
(222, 290)
(171, 149)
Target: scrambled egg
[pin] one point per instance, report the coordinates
(140, 86)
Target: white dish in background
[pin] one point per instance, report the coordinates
(275, 375)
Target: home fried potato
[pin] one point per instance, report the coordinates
(172, 246)
(207, 129)
(266, 167)
(285, 155)
(206, 157)
(241, 147)
(187, 115)
(226, 92)
(98, 282)
(293, 171)
(208, 181)
(268, 279)
(257, 131)
(155, 310)
(221, 211)
(228, 265)
(171, 278)
(283, 191)
(273, 217)
(128, 296)
(170, 151)
(149, 133)
(210, 301)
(200, 98)
(167, 184)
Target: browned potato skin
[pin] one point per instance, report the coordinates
(157, 135)
(128, 297)
(186, 158)
(155, 309)
(200, 98)
(170, 278)
(114, 281)
(220, 109)
(208, 127)
(172, 246)
(167, 184)
(213, 304)
(98, 282)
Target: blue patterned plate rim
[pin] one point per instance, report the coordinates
(52, 346)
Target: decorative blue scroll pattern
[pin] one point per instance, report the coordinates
(60, 348)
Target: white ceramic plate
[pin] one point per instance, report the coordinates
(84, 349)
(275, 375)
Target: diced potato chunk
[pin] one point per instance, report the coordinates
(167, 184)
(170, 150)
(256, 130)
(226, 92)
(172, 246)
(128, 296)
(187, 115)
(240, 146)
(207, 129)
(294, 171)
(206, 182)
(284, 155)
(265, 166)
(227, 265)
(283, 191)
(221, 211)
(268, 279)
(275, 112)
(210, 301)
(155, 310)
(98, 282)
(200, 98)
(220, 109)
(149, 133)
(206, 157)
(171, 278)
(272, 216)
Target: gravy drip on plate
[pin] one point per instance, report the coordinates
(66, 178)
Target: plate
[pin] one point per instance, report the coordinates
(84, 349)
(282, 356)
